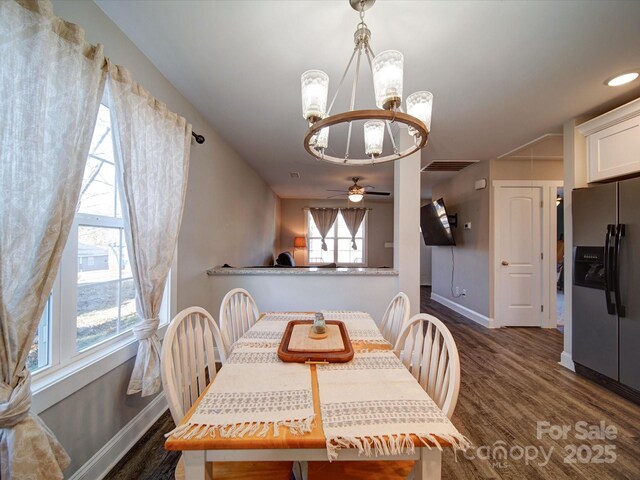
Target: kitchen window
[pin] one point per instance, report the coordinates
(338, 240)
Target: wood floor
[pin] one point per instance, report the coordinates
(510, 382)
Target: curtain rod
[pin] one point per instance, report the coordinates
(199, 138)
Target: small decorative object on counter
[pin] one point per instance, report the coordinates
(319, 324)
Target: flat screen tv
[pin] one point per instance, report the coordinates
(434, 224)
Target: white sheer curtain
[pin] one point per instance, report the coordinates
(353, 217)
(51, 82)
(324, 219)
(153, 151)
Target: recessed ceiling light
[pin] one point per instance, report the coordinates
(622, 79)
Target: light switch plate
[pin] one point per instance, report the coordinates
(467, 226)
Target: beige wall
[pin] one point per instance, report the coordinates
(230, 216)
(380, 229)
(472, 246)
(474, 249)
(536, 169)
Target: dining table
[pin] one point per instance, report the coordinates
(258, 408)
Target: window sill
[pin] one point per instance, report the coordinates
(57, 383)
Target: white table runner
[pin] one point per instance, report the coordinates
(374, 404)
(245, 399)
(269, 330)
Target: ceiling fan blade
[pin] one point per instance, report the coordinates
(378, 193)
(339, 195)
(332, 190)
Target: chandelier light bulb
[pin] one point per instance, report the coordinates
(323, 138)
(373, 137)
(387, 79)
(419, 105)
(315, 86)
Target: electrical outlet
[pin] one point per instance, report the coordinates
(464, 292)
(457, 290)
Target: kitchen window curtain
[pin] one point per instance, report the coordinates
(324, 219)
(353, 217)
(153, 152)
(51, 83)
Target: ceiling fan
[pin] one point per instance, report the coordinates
(357, 192)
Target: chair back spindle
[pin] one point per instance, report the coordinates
(187, 359)
(395, 317)
(426, 347)
(238, 313)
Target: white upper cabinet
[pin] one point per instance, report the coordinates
(613, 143)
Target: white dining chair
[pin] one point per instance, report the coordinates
(238, 313)
(426, 347)
(188, 362)
(187, 366)
(395, 317)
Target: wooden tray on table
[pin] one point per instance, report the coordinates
(297, 346)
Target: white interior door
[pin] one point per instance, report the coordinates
(519, 257)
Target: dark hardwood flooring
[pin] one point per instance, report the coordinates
(510, 381)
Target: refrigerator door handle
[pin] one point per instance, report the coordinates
(616, 272)
(611, 309)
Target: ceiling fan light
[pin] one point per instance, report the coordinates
(373, 137)
(387, 79)
(419, 105)
(356, 197)
(323, 138)
(315, 86)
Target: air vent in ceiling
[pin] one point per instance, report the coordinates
(294, 174)
(447, 165)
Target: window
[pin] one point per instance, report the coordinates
(93, 300)
(339, 248)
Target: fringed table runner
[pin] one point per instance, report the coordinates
(254, 393)
(269, 330)
(374, 404)
(360, 325)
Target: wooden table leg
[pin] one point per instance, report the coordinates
(195, 465)
(429, 467)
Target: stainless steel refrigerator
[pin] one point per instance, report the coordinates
(606, 285)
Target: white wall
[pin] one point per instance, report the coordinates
(230, 216)
(380, 227)
(472, 270)
(304, 292)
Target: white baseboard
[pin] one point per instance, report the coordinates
(566, 361)
(98, 466)
(464, 311)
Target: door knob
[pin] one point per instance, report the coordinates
(505, 263)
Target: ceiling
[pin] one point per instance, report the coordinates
(502, 72)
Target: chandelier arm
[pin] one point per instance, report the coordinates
(366, 51)
(370, 50)
(344, 75)
(393, 142)
(353, 101)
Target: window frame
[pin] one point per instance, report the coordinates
(61, 378)
(68, 370)
(335, 238)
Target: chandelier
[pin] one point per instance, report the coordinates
(387, 71)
